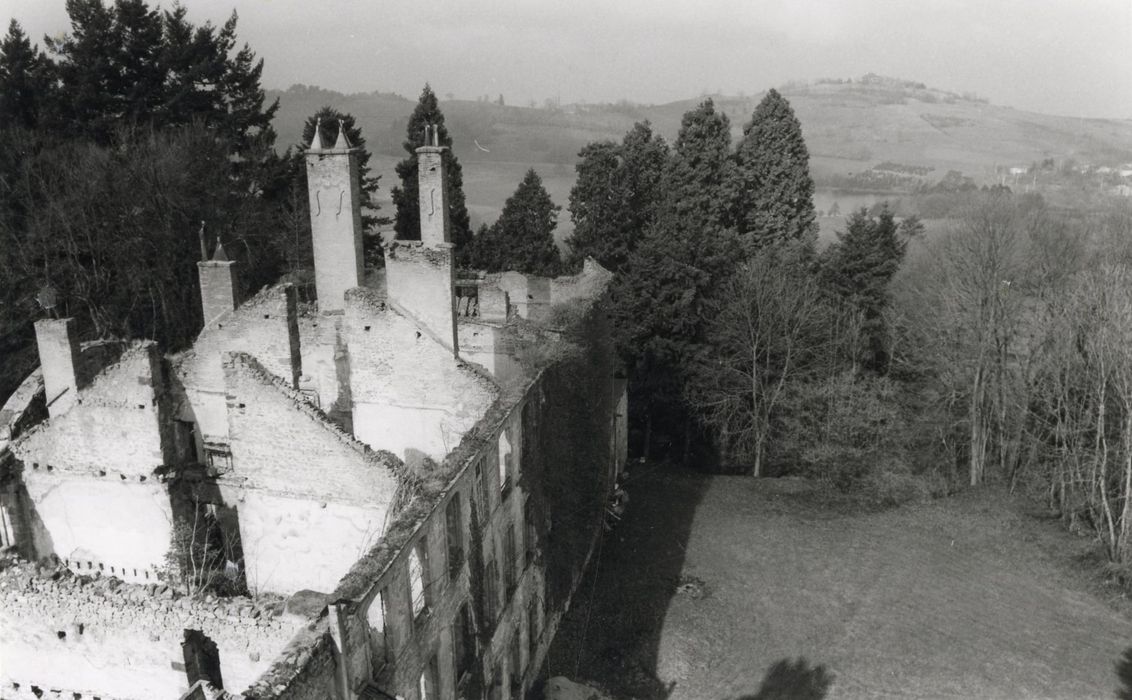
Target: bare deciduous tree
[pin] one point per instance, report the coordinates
(769, 328)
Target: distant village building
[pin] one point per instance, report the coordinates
(396, 489)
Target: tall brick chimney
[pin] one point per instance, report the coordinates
(420, 277)
(59, 362)
(334, 188)
(218, 288)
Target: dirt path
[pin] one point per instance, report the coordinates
(960, 598)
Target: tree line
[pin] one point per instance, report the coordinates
(996, 352)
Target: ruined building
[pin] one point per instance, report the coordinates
(391, 491)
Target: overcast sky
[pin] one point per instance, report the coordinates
(1070, 57)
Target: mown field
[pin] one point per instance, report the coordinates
(976, 596)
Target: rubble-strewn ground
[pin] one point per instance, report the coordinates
(710, 580)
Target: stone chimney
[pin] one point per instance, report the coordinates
(59, 362)
(432, 183)
(218, 288)
(420, 277)
(334, 188)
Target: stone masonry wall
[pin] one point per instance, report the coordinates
(421, 281)
(100, 637)
(115, 426)
(266, 327)
(296, 543)
(408, 392)
(101, 524)
(304, 454)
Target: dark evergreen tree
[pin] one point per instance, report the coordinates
(407, 223)
(660, 304)
(698, 174)
(857, 269)
(126, 65)
(24, 80)
(522, 239)
(330, 119)
(615, 196)
(772, 194)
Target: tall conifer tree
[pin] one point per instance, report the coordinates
(858, 268)
(685, 251)
(772, 197)
(408, 217)
(522, 239)
(614, 198)
(24, 79)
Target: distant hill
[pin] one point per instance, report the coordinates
(850, 126)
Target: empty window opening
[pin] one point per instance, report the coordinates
(454, 529)
(490, 591)
(463, 643)
(417, 579)
(516, 663)
(218, 456)
(430, 680)
(532, 629)
(509, 559)
(504, 462)
(7, 533)
(378, 630)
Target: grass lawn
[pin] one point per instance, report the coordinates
(969, 597)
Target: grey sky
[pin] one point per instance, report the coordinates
(1069, 57)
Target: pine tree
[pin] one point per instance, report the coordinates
(615, 196)
(698, 174)
(772, 197)
(522, 239)
(330, 119)
(857, 269)
(24, 80)
(407, 223)
(126, 65)
(659, 305)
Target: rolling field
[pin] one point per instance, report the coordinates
(969, 597)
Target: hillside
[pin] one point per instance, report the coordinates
(898, 133)
(849, 126)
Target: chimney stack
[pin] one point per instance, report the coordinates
(433, 190)
(59, 362)
(420, 277)
(334, 188)
(218, 288)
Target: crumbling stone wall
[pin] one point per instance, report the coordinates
(24, 408)
(105, 524)
(313, 498)
(294, 543)
(408, 392)
(266, 327)
(117, 421)
(420, 280)
(326, 366)
(562, 438)
(101, 637)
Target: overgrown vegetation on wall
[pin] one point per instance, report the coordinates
(567, 451)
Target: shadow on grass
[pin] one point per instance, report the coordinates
(793, 680)
(611, 634)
